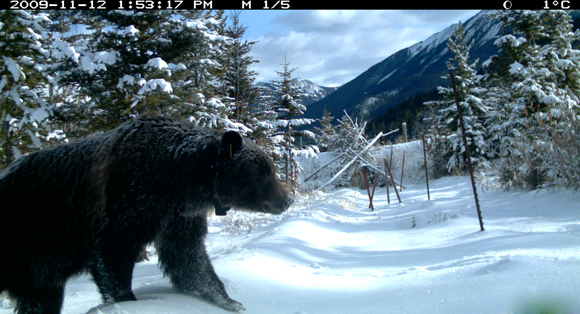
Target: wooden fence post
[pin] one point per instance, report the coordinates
(387, 181)
(425, 161)
(371, 195)
(402, 172)
(392, 180)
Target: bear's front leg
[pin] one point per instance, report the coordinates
(183, 258)
(112, 269)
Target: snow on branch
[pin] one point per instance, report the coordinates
(369, 144)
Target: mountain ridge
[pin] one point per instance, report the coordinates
(416, 69)
(311, 92)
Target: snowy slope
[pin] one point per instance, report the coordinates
(330, 254)
(433, 41)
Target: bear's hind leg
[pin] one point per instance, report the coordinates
(38, 300)
(183, 258)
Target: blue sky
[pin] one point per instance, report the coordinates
(331, 47)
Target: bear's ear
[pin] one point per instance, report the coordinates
(231, 143)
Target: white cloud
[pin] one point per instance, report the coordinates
(333, 47)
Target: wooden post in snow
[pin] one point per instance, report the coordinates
(425, 162)
(371, 194)
(387, 182)
(392, 180)
(402, 172)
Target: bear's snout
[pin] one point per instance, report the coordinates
(279, 206)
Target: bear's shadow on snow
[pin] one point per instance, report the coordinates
(158, 293)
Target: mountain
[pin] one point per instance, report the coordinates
(311, 92)
(408, 72)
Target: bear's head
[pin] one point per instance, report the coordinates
(246, 177)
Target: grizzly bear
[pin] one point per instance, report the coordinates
(94, 204)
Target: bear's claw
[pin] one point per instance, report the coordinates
(225, 302)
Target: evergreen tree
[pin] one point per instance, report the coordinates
(538, 109)
(473, 108)
(238, 83)
(212, 107)
(326, 131)
(148, 61)
(262, 121)
(288, 94)
(67, 38)
(24, 112)
(288, 107)
(506, 119)
(563, 157)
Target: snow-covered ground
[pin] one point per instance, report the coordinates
(330, 254)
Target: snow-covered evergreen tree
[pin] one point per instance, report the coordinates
(473, 108)
(148, 61)
(288, 100)
(67, 37)
(543, 108)
(24, 111)
(287, 106)
(212, 106)
(505, 120)
(326, 131)
(238, 80)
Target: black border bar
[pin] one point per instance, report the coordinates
(286, 5)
